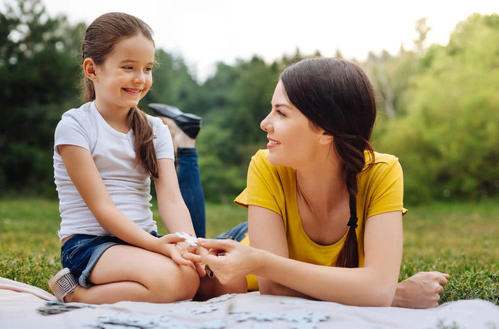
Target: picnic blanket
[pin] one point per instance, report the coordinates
(25, 306)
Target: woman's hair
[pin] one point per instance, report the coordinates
(337, 96)
(100, 38)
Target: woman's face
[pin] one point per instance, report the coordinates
(293, 140)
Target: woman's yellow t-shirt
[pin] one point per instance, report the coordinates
(380, 189)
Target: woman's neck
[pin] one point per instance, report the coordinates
(321, 183)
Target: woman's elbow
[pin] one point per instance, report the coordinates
(268, 290)
(383, 296)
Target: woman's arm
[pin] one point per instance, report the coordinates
(172, 208)
(266, 231)
(372, 285)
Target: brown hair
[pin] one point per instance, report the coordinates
(337, 96)
(100, 38)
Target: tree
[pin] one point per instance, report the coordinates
(39, 78)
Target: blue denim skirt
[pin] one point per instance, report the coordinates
(82, 251)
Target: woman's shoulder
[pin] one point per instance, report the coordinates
(380, 160)
(380, 166)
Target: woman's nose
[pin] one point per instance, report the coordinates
(265, 124)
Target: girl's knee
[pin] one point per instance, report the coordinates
(173, 283)
(187, 283)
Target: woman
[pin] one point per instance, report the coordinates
(325, 210)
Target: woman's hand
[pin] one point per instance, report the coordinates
(228, 259)
(422, 290)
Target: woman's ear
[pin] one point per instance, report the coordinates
(89, 68)
(326, 139)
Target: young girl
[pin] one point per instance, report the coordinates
(325, 210)
(105, 152)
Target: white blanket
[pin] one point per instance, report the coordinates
(24, 306)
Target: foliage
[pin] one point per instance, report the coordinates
(438, 105)
(449, 140)
(35, 51)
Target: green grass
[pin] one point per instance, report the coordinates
(457, 238)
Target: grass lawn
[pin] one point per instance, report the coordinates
(458, 238)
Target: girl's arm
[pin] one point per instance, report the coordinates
(86, 178)
(372, 285)
(171, 205)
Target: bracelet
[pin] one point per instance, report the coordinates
(191, 241)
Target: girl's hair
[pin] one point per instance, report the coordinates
(100, 38)
(337, 96)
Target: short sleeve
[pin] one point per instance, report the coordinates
(163, 143)
(263, 188)
(388, 190)
(71, 132)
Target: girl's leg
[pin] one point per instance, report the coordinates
(127, 273)
(190, 186)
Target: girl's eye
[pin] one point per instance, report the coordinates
(148, 69)
(127, 67)
(280, 113)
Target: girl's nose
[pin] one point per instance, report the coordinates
(140, 77)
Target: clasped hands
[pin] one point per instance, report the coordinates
(225, 259)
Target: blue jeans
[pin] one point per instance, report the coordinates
(191, 189)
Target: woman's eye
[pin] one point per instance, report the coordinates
(280, 113)
(127, 67)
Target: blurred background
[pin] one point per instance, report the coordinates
(434, 66)
(437, 88)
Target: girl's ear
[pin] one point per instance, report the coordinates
(89, 68)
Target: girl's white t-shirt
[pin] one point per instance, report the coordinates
(113, 152)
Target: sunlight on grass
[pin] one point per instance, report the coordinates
(458, 238)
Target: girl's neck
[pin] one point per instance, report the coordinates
(116, 117)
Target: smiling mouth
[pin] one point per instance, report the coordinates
(132, 91)
(272, 143)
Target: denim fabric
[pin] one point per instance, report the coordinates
(82, 251)
(237, 233)
(190, 187)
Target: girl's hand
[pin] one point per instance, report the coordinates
(188, 252)
(422, 290)
(167, 245)
(228, 259)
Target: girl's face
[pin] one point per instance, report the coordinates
(293, 140)
(125, 77)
